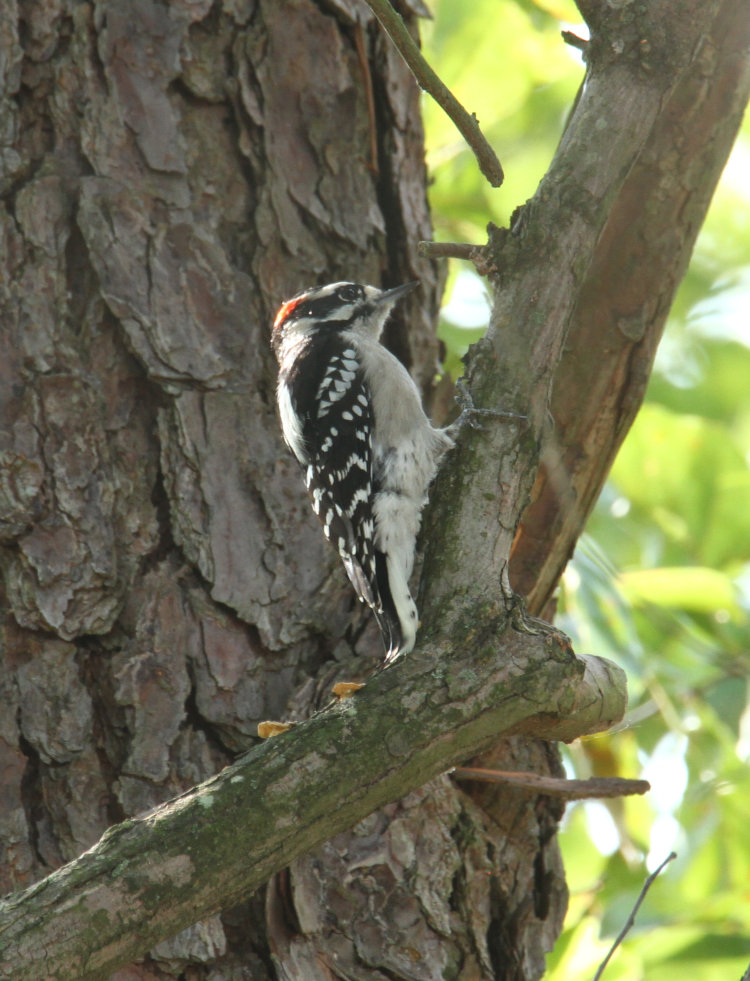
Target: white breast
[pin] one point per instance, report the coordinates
(405, 443)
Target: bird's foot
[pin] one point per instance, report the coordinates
(469, 411)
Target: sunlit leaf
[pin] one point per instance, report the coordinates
(685, 587)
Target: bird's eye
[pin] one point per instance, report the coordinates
(349, 294)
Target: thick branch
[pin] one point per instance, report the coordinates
(149, 878)
(540, 266)
(624, 301)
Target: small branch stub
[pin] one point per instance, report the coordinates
(575, 41)
(457, 250)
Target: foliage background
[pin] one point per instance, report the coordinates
(660, 582)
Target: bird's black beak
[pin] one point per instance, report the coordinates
(391, 296)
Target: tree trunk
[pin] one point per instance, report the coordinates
(170, 173)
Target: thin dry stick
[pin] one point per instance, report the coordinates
(631, 919)
(449, 250)
(557, 786)
(477, 254)
(428, 80)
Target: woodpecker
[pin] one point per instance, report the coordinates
(352, 416)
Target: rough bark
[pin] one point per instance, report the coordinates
(169, 172)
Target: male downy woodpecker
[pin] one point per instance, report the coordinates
(352, 416)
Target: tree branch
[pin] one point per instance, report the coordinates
(148, 878)
(538, 269)
(642, 251)
(427, 80)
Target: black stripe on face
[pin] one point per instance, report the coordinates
(328, 304)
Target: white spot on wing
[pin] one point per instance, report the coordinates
(358, 497)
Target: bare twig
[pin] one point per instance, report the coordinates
(631, 919)
(557, 786)
(427, 79)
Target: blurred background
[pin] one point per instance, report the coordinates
(660, 582)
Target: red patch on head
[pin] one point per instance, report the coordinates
(285, 309)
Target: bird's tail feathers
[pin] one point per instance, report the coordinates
(387, 616)
(377, 595)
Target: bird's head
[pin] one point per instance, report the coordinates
(337, 306)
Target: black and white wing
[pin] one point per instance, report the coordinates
(329, 429)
